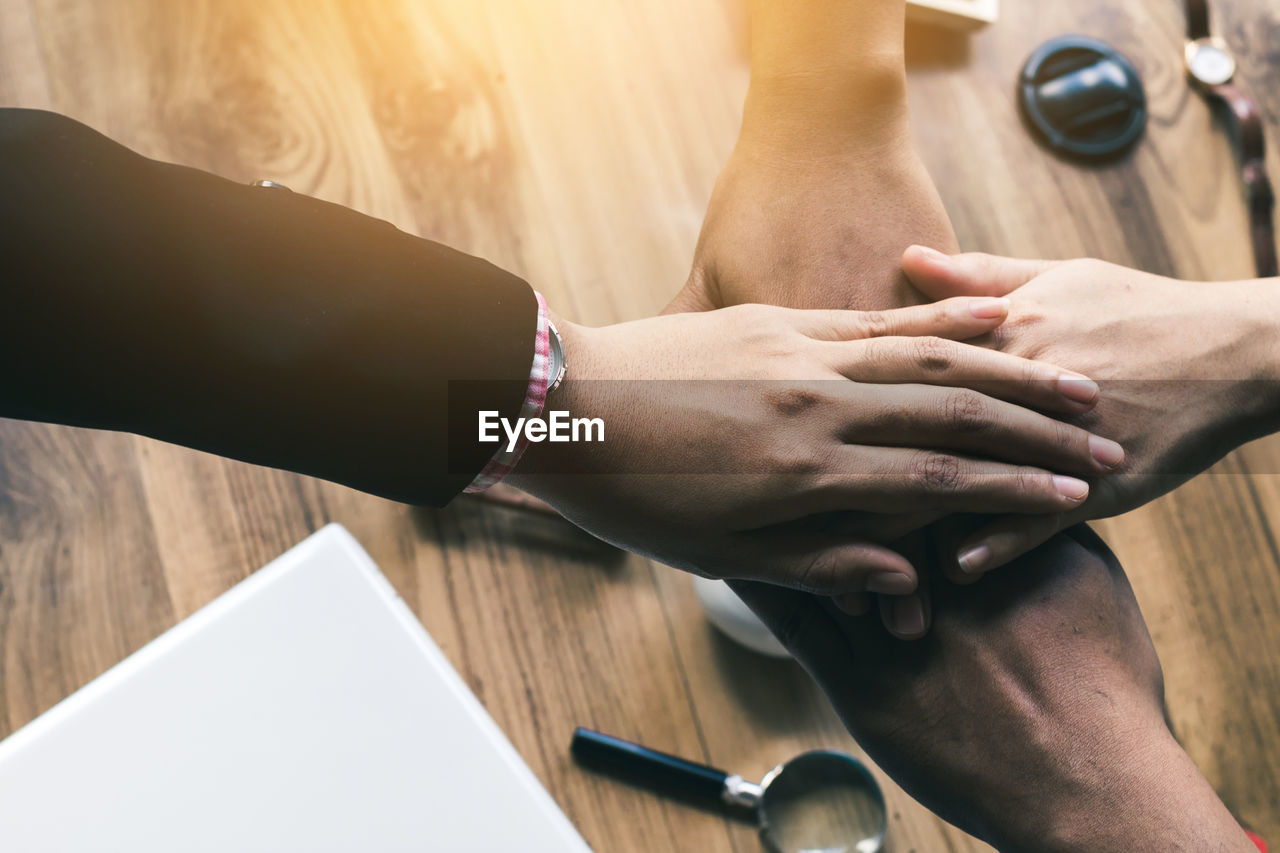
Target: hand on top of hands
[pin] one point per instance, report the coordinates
(1181, 365)
(807, 214)
(727, 432)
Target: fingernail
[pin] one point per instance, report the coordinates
(989, 308)
(1070, 487)
(1106, 451)
(1078, 388)
(974, 560)
(908, 615)
(891, 583)
(933, 255)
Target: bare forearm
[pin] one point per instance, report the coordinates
(824, 189)
(827, 77)
(1153, 800)
(824, 39)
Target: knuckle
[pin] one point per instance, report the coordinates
(933, 354)
(1013, 335)
(793, 464)
(1028, 316)
(1029, 482)
(936, 472)
(795, 401)
(888, 354)
(875, 324)
(1032, 376)
(1003, 337)
(966, 411)
(816, 574)
(1073, 438)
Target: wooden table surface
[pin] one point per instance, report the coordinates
(576, 142)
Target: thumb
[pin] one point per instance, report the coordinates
(939, 276)
(829, 566)
(1003, 541)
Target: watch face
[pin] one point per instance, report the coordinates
(1210, 63)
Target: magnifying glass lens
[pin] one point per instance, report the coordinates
(823, 802)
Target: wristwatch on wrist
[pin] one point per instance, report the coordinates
(1212, 70)
(556, 356)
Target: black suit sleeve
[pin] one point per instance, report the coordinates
(255, 323)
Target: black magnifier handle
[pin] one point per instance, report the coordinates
(665, 774)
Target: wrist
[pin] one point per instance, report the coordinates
(1148, 796)
(545, 457)
(1267, 342)
(816, 113)
(1256, 326)
(825, 38)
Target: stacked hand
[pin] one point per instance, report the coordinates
(1032, 714)
(727, 433)
(810, 214)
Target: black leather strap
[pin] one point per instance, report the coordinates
(1197, 19)
(1242, 111)
(1263, 204)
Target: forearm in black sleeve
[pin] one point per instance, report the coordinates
(255, 323)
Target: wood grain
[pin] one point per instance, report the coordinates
(577, 142)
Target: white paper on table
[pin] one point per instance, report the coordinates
(304, 710)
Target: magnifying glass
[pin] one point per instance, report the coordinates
(818, 802)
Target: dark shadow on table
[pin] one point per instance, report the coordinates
(469, 518)
(777, 693)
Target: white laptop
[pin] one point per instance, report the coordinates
(304, 710)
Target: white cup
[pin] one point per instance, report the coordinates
(734, 619)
